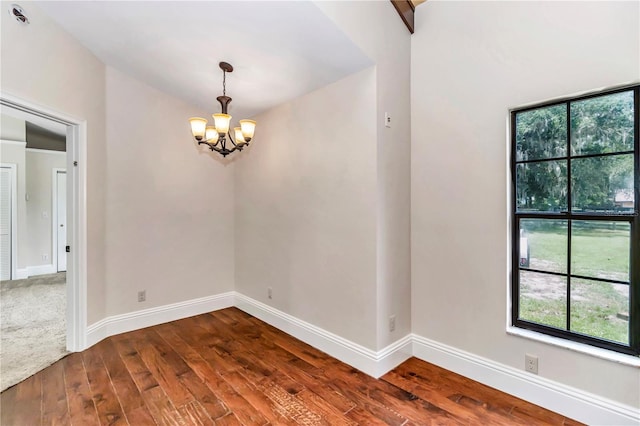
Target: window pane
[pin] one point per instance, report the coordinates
(602, 184)
(543, 244)
(602, 124)
(541, 133)
(541, 186)
(543, 299)
(600, 309)
(600, 249)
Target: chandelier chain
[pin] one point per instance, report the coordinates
(224, 83)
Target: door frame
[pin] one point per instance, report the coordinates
(14, 216)
(76, 209)
(54, 215)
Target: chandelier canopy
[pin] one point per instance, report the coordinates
(217, 137)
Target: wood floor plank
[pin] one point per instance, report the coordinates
(164, 366)
(208, 348)
(302, 373)
(8, 406)
(55, 410)
(28, 401)
(229, 419)
(207, 372)
(158, 404)
(456, 385)
(289, 391)
(106, 402)
(394, 399)
(327, 411)
(128, 394)
(194, 414)
(161, 407)
(229, 368)
(294, 346)
(140, 374)
(434, 396)
(82, 410)
(320, 359)
(261, 401)
(473, 394)
(213, 405)
(309, 375)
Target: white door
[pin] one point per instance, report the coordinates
(61, 215)
(5, 223)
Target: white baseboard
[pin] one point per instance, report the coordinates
(153, 316)
(21, 274)
(364, 359)
(41, 270)
(570, 402)
(565, 400)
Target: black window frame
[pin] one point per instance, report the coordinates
(632, 218)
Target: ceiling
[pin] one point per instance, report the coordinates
(279, 49)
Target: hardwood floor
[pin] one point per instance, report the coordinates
(228, 368)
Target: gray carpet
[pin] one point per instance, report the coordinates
(32, 326)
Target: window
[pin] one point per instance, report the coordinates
(575, 174)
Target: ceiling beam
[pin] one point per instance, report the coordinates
(405, 9)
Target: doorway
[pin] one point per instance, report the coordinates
(32, 300)
(73, 213)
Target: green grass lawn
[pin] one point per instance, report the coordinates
(602, 253)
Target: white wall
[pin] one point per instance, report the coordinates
(40, 165)
(389, 48)
(43, 64)
(12, 129)
(471, 62)
(169, 207)
(168, 224)
(306, 209)
(323, 198)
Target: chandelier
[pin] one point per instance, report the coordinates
(217, 137)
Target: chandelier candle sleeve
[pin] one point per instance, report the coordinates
(248, 128)
(238, 135)
(211, 134)
(222, 123)
(198, 126)
(217, 136)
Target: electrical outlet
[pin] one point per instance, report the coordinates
(45, 256)
(392, 323)
(387, 120)
(270, 293)
(531, 363)
(142, 295)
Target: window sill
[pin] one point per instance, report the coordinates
(630, 360)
